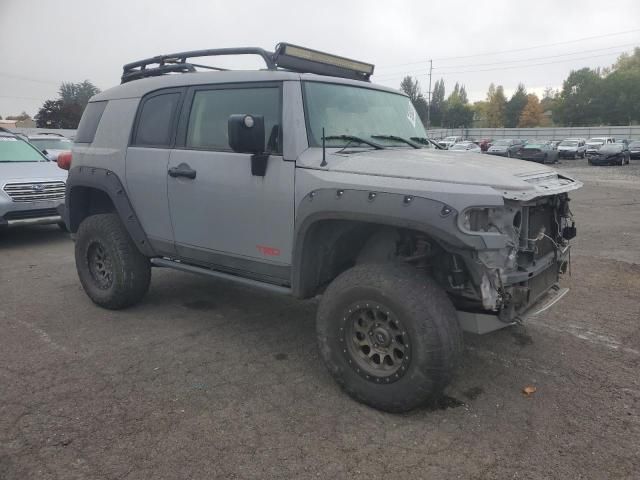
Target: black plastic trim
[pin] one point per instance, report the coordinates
(108, 182)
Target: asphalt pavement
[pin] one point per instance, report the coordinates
(205, 379)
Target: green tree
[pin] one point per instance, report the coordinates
(480, 114)
(437, 103)
(77, 93)
(580, 101)
(458, 113)
(496, 102)
(463, 95)
(66, 111)
(514, 107)
(411, 87)
(621, 91)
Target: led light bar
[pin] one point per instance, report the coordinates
(301, 59)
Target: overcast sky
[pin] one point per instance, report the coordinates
(43, 43)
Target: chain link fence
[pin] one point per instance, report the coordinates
(543, 133)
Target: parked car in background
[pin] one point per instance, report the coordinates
(51, 144)
(505, 147)
(32, 188)
(465, 147)
(541, 152)
(485, 143)
(448, 142)
(594, 144)
(572, 148)
(611, 154)
(634, 149)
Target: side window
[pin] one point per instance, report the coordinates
(207, 128)
(155, 120)
(89, 122)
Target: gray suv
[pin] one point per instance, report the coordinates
(31, 187)
(306, 179)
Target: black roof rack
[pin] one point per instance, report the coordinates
(287, 56)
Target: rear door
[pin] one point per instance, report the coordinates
(152, 137)
(222, 215)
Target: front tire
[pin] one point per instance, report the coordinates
(112, 271)
(389, 335)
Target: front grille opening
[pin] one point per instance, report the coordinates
(34, 191)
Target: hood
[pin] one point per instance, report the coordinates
(514, 179)
(608, 154)
(567, 148)
(498, 148)
(30, 172)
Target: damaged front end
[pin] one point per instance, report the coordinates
(532, 250)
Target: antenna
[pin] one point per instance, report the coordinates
(324, 158)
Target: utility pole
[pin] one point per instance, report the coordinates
(429, 101)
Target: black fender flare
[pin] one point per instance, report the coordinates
(433, 217)
(83, 177)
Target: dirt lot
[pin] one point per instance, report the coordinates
(210, 380)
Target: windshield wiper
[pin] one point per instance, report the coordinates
(397, 139)
(352, 139)
(428, 141)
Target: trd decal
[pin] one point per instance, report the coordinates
(268, 251)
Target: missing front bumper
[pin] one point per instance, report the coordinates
(481, 323)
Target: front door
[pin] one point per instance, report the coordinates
(222, 215)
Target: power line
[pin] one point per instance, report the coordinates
(22, 98)
(518, 49)
(422, 72)
(27, 79)
(539, 58)
(528, 59)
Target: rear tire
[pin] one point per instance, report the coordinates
(389, 335)
(112, 271)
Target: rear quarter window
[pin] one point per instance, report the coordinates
(156, 119)
(89, 122)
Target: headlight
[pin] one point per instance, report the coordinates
(487, 219)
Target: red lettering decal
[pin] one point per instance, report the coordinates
(268, 251)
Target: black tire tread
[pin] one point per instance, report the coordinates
(132, 279)
(422, 298)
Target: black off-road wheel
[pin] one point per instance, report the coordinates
(389, 335)
(113, 272)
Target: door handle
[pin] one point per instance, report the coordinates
(182, 170)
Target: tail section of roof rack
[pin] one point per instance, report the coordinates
(286, 57)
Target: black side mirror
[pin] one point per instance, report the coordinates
(246, 135)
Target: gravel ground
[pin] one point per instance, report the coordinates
(209, 380)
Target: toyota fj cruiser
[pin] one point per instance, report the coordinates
(306, 179)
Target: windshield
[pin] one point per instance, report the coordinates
(598, 141)
(533, 145)
(502, 143)
(634, 144)
(14, 150)
(52, 143)
(568, 143)
(450, 139)
(360, 112)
